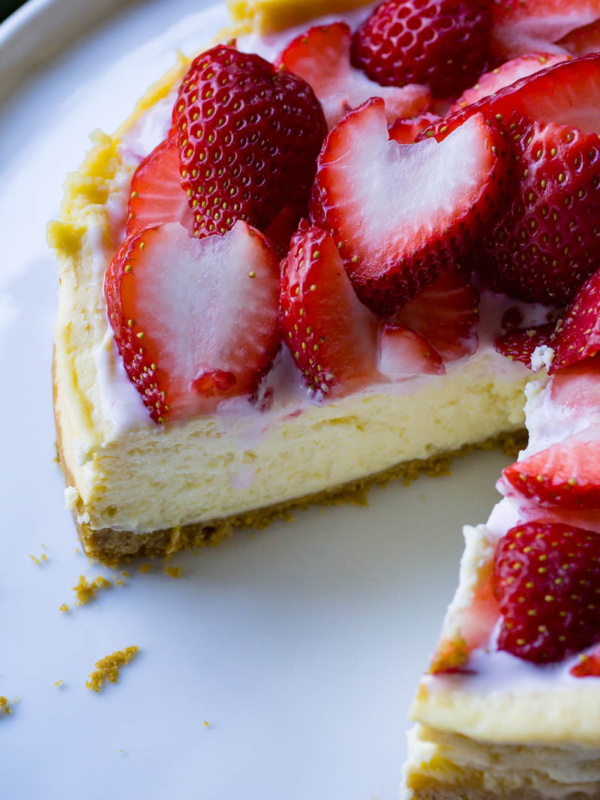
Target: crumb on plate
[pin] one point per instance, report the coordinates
(64, 608)
(145, 568)
(173, 572)
(85, 591)
(5, 705)
(107, 669)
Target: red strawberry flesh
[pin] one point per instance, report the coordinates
(322, 57)
(547, 582)
(520, 345)
(446, 314)
(195, 321)
(506, 74)
(332, 337)
(156, 195)
(403, 353)
(578, 335)
(566, 474)
(402, 214)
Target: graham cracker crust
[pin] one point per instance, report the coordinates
(111, 547)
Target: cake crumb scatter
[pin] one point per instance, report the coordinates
(173, 572)
(85, 591)
(145, 568)
(107, 669)
(206, 724)
(5, 705)
(64, 608)
(59, 683)
(125, 574)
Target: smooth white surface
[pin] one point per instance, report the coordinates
(300, 645)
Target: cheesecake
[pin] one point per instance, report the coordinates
(321, 254)
(140, 488)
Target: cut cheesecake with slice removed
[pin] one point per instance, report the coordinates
(510, 707)
(194, 393)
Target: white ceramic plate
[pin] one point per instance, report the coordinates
(300, 645)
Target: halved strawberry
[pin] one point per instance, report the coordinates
(403, 353)
(582, 40)
(330, 334)
(520, 345)
(446, 314)
(576, 389)
(547, 242)
(524, 26)
(567, 93)
(566, 474)
(578, 335)
(196, 321)
(505, 75)
(440, 42)
(402, 214)
(547, 582)
(322, 57)
(248, 137)
(405, 131)
(156, 195)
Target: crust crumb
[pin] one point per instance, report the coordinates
(64, 608)
(59, 683)
(206, 724)
(145, 568)
(5, 705)
(173, 572)
(107, 669)
(86, 591)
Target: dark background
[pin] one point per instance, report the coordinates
(8, 6)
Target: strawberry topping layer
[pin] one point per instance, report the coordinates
(578, 335)
(547, 582)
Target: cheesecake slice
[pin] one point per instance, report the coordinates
(140, 487)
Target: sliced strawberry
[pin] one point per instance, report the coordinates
(547, 581)
(248, 137)
(446, 314)
(403, 353)
(195, 321)
(566, 474)
(546, 244)
(524, 26)
(156, 195)
(405, 131)
(322, 57)
(582, 40)
(330, 334)
(505, 75)
(402, 214)
(578, 335)
(577, 388)
(284, 226)
(567, 93)
(520, 345)
(588, 666)
(440, 42)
